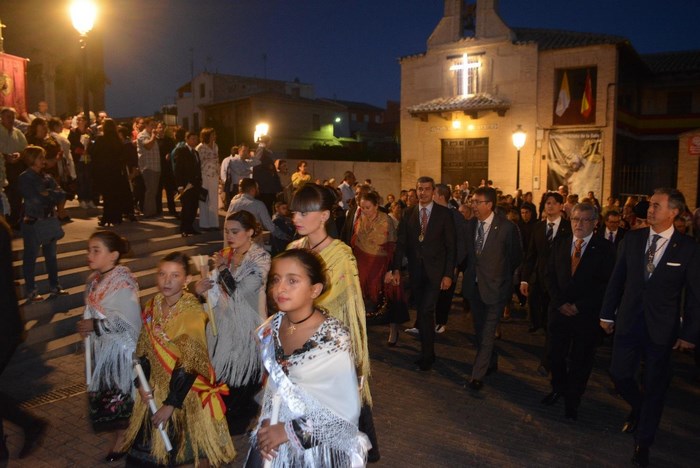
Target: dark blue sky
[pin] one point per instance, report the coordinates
(347, 49)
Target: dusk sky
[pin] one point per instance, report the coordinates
(348, 49)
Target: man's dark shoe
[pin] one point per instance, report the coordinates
(551, 398)
(4, 452)
(492, 368)
(33, 436)
(541, 370)
(475, 385)
(571, 413)
(630, 424)
(641, 455)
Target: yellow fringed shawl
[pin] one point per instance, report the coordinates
(183, 334)
(343, 300)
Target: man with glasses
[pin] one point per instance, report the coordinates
(493, 254)
(612, 230)
(579, 267)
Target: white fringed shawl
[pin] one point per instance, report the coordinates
(234, 350)
(320, 394)
(114, 300)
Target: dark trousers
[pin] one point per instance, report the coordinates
(139, 192)
(269, 200)
(9, 408)
(166, 183)
(486, 318)
(84, 173)
(444, 304)
(539, 305)
(426, 291)
(628, 352)
(190, 203)
(573, 342)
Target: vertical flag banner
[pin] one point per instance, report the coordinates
(564, 96)
(13, 91)
(587, 99)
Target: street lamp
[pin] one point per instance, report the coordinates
(519, 136)
(83, 14)
(260, 130)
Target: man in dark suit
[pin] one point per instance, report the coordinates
(611, 230)
(353, 213)
(265, 173)
(533, 274)
(657, 270)
(580, 265)
(188, 174)
(493, 254)
(427, 238)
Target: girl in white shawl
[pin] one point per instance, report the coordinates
(237, 295)
(311, 375)
(112, 319)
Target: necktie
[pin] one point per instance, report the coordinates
(550, 232)
(480, 237)
(651, 251)
(423, 223)
(611, 237)
(576, 256)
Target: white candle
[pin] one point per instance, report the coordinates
(88, 361)
(151, 403)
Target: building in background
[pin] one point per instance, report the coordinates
(597, 115)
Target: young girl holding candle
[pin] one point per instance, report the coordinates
(112, 321)
(172, 349)
(311, 372)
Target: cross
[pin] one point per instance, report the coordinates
(464, 67)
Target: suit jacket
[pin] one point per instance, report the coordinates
(492, 270)
(346, 232)
(437, 253)
(586, 288)
(188, 169)
(618, 238)
(534, 270)
(658, 301)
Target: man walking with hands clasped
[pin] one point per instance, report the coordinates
(657, 270)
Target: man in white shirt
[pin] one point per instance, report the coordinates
(579, 267)
(149, 165)
(347, 189)
(655, 268)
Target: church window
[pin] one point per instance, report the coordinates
(465, 69)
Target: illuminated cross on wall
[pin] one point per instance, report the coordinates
(464, 67)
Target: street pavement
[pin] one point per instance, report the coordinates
(423, 419)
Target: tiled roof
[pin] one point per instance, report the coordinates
(548, 39)
(461, 103)
(673, 62)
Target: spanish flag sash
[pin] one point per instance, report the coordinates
(208, 391)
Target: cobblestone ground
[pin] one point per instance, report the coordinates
(423, 419)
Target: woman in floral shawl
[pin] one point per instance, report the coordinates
(373, 242)
(112, 321)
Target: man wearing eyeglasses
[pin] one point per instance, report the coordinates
(493, 254)
(578, 270)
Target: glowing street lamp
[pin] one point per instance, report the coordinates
(519, 137)
(260, 130)
(83, 14)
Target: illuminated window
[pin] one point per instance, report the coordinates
(465, 69)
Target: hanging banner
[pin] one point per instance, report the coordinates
(13, 92)
(576, 161)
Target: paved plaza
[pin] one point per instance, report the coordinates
(422, 419)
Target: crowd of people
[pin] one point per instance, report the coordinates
(293, 325)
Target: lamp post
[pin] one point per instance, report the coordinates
(83, 14)
(519, 136)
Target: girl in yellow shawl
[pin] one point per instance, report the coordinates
(312, 205)
(172, 350)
